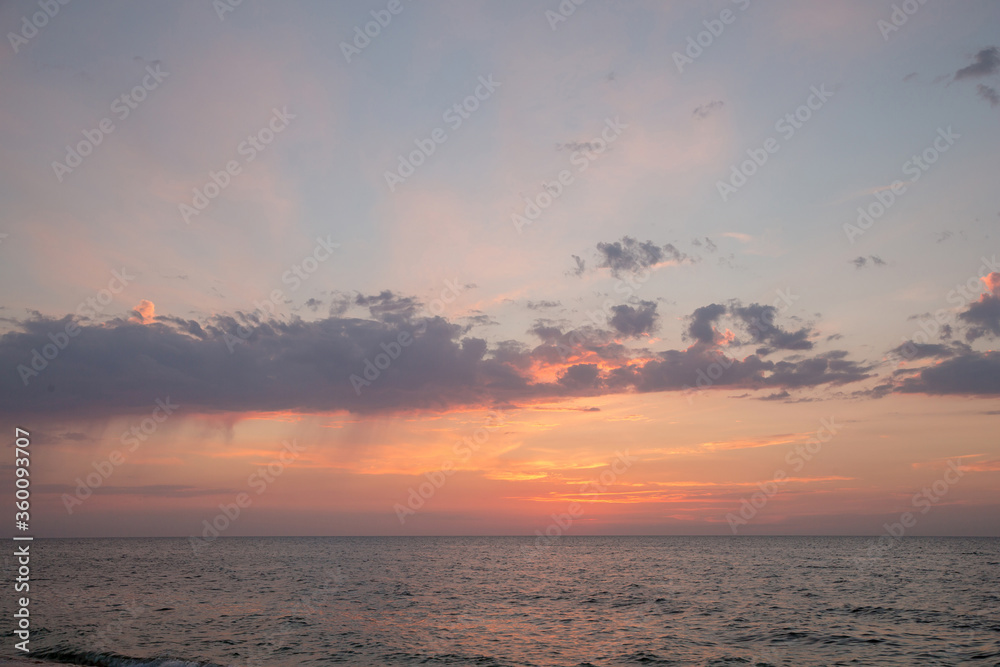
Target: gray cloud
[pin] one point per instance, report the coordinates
(862, 262)
(973, 373)
(702, 326)
(986, 62)
(760, 322)
(628, 255)
(705, 110)
(989, 93)
(245, 362)
(634, 321)
(982, 318)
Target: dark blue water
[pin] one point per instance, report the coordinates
(502, 601)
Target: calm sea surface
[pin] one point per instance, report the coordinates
(503, 601)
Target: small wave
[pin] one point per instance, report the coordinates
(108, 659)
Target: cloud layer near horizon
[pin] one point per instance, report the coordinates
(393, 360)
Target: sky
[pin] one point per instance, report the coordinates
(519, 268)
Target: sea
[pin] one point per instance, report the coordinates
(497, 601)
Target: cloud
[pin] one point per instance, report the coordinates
(628, 256)
(481, 320)
(340, 303)
(862, 262)
(705, 110)
(313, 304)
(389, 307)
(760, 324)
(702, 326)
(245, 362)
(912, 351)
(972, 373)
(542, 305)
(579, 146)
(986, 62)
(982, 318)
(673, 253)
(581, 376)
(631, 321)
(143, 313)
(989, 94)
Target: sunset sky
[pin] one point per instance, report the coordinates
(612, 256)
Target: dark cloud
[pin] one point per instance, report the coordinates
(628, 255)
(760, 322)
(581, 266)
(581, 376)
(828, 368)
(989, 93)
(982, 318)
(313, 304)
(973, 373)
(673, 253)
(986, 62)
(542, 305)
(862, 262)
(705, 110)
(389, 307)
(247, 362)
(702, 327)
(634, 321)
(912, 351)
(776, 396)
